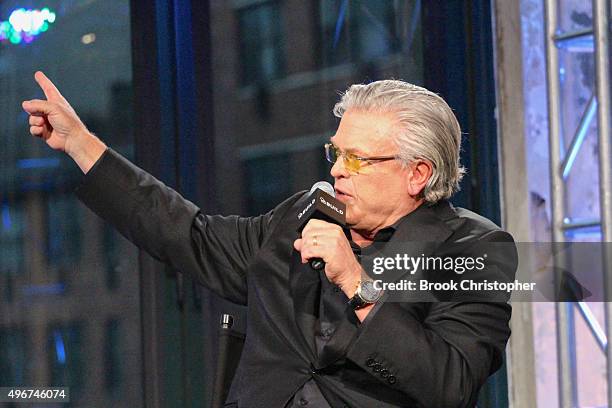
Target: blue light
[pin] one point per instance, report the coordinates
(60, 351)
(414, 21)
(583, 127)
(38, 186)
(50, 289)
(40, 163)
(596, 329)
(6, 216)
(340, 22)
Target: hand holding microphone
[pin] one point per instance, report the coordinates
(321, 205)
(324, 241)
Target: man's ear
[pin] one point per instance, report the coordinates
(419, 175)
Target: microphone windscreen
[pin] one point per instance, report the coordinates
(325, 186)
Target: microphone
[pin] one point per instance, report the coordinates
(322, 205)
(325, 186)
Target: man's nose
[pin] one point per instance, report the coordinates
(339, 169)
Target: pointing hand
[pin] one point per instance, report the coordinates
(53, 119)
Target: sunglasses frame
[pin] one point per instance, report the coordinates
(352, 162)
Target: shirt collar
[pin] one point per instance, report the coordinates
(383, 235)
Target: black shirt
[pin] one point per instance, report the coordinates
(332, 309)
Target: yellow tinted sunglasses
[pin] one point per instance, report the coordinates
(352, 162)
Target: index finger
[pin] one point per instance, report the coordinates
(318, 224)
(48, 87)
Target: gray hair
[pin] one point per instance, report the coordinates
(428, 129)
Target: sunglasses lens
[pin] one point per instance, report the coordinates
(331, 154)
(352, 163)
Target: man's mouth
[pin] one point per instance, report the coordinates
(340, 195)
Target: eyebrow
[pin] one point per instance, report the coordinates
(353, 150)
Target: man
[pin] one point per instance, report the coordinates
(319, 338)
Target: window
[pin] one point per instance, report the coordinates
(13, 357)
(66, 358)
(360, 30)
(11, 233)
(268, 180)
(112, 358)
(112, 256)
(261, 43)
(53, 252)
(63, 230)
(279, 170)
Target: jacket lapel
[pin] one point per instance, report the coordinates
(338, 344)
(305, 290)
(420, 233)
(288, 297)
(425, 225)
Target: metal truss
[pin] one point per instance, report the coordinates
(561, 161)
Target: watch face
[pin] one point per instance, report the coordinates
(369, 293)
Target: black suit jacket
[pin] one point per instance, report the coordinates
(404, 354)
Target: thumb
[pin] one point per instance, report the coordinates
(297, 244)
(38, 107)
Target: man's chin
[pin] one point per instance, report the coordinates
(350, 219)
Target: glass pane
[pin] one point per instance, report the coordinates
(14, 364)
(575, 15)
(260, 39)
(279, 80)
(68, 287)
(65, 351)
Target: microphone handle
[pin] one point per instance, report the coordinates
(317, 264)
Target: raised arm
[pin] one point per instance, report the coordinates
(214, 250)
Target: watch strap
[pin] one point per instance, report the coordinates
(357, 302)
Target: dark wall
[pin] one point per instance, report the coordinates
(458, 60)
(458, 46)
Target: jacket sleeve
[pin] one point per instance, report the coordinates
(215, 250)
(435, 354)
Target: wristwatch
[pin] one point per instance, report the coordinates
(365, 295)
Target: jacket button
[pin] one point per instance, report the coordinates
(303, 402)
(377, 367)
(391, 379)
(370, 362)
(384, 373)
(327, 332)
